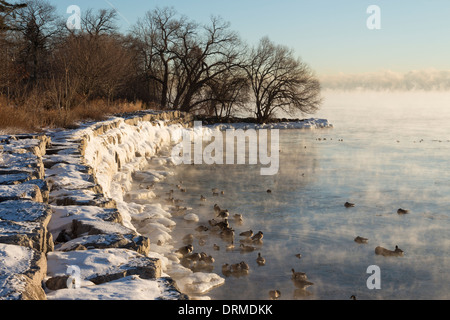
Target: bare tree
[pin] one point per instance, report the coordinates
(202, 55)
(36, 23)
(228, 93)
(280, 82)
(102, 22)
(157, 34)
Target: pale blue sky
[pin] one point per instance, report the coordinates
(330, 35)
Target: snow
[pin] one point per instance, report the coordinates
(118, 158)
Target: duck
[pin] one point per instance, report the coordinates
(236, 267)
(216, 247)
(269, 191)
(258, 236)
(186, 249)
(260, 260)
(274, 294)
(244, 266)
(202, 198)
(298, 255)
(223, 224)
(298, 275)
(349, 204)
(247, 234)
(216, 208)
(397, 252)
(245, 248)
(226, 268)
(201, 228)
(227, 233)
(223, 214)
(206, 258)
(359, 239)
(402, 211)
(353, 297)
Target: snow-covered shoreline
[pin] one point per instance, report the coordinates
(91, 171)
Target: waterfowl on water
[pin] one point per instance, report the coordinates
(260, 260)
(298, 255)
(247, 234)
(298, 275)
(216, 247)
(186, 249)
(349, 204)
(216, 208)
(244, 266)
(201, 228)
(397, 252)
(353, 297)
(202, 198)
(238, 218)
(258, 236)
(269, 191)
(402, 211)
(223, 214)
(246, 248)
(359, 239)
(274, 294)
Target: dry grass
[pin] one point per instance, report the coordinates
(26, 119)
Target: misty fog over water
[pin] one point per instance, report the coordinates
(386, 151)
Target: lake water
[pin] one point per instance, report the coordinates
(386, 151)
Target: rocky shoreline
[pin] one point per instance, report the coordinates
(52, 207)
(63, 206)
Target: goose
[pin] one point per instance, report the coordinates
(402, 211)
(349, 204)
(258, 236)
(359, 239)
(260, 260)
(201, 228)
(246, 248)
(238, 218)
(274, 294)
(227, 233)
(298, 275)
(226, 268)
(223, 224)
(397, 252)
(236, 267)
(186, 249)
(223, 214)
(247, 234)
(244, 266)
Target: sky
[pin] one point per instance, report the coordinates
(331, 36)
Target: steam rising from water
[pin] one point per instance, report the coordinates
(386, 151)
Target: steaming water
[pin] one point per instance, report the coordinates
(394, 153)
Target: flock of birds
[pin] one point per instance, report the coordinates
(220, 224)
(397, 252)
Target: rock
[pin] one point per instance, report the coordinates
(20, 192)
(21, 273)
